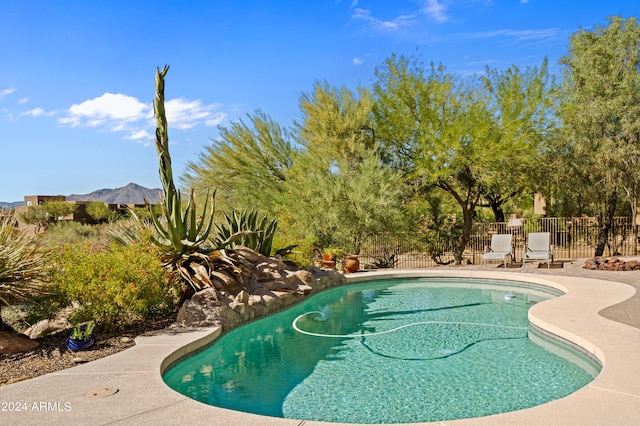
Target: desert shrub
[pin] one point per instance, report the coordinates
(113, 285)
(303, 253)
(68, 232)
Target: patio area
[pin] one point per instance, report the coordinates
(600, 313)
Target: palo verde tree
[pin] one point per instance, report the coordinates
(435, 127)
(599, 150)
(340, 188)
(248, 163)
(521, 104)
(462, 136)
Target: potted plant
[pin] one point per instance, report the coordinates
(81, 337)
(331, 255)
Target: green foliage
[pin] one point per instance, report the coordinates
(469, 137)
(442, 228)
(247, 229)
(69, 232)
(112, 286)
(339, 190)
(36, 215)
(59, 209)
(597, 156)
(100, 212)
(83, 332)
(24, 264)
(144, 214)
(248, 163)
(336, 122)
(130, 231)
(521, 104)
(302, 253)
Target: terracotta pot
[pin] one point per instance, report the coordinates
(327, 257)
(351, 263)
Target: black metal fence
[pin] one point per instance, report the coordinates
(571, 238)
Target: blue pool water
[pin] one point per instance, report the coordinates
(388, 352)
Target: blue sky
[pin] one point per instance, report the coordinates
(76, 77)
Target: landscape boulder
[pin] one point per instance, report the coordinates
(611, 264)
(265, 285)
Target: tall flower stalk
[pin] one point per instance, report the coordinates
(182, 236)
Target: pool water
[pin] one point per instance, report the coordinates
(388, 352)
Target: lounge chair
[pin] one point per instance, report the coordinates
(500, 249)
(538, 247)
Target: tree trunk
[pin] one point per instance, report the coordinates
(467, 215)
(498, 212)
(634, 225)
(605, 222)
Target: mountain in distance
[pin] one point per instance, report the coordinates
(129, 194)
(9, 206)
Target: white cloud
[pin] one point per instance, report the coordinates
(435, 10)
(518, 34)
(6, 92)
(400, 22)
(109, 110)
(184, 114)
(34, 112)
(139, 135)
(527, 34)
(357, 61)
(23, 100)
(123, 113)
(37, 112)
(216, 119)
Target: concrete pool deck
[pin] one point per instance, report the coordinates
(601, 313)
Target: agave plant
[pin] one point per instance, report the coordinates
(257, 234)
(24, 269)
(185, 233)
(183, 236)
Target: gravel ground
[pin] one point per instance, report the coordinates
(52, 354)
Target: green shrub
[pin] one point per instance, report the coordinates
(68, 232)
(302, 254)
(113, 285)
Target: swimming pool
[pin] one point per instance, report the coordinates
(459, 349)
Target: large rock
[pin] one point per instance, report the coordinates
(611, 264)
(266, 285)
(11, 343)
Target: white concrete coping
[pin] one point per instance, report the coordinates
(142, 398)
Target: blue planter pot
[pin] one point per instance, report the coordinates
(80, 345)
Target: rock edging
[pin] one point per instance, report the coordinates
(266, 285)
(611, 264)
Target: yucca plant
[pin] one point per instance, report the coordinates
(257, 233)
(24, 270)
